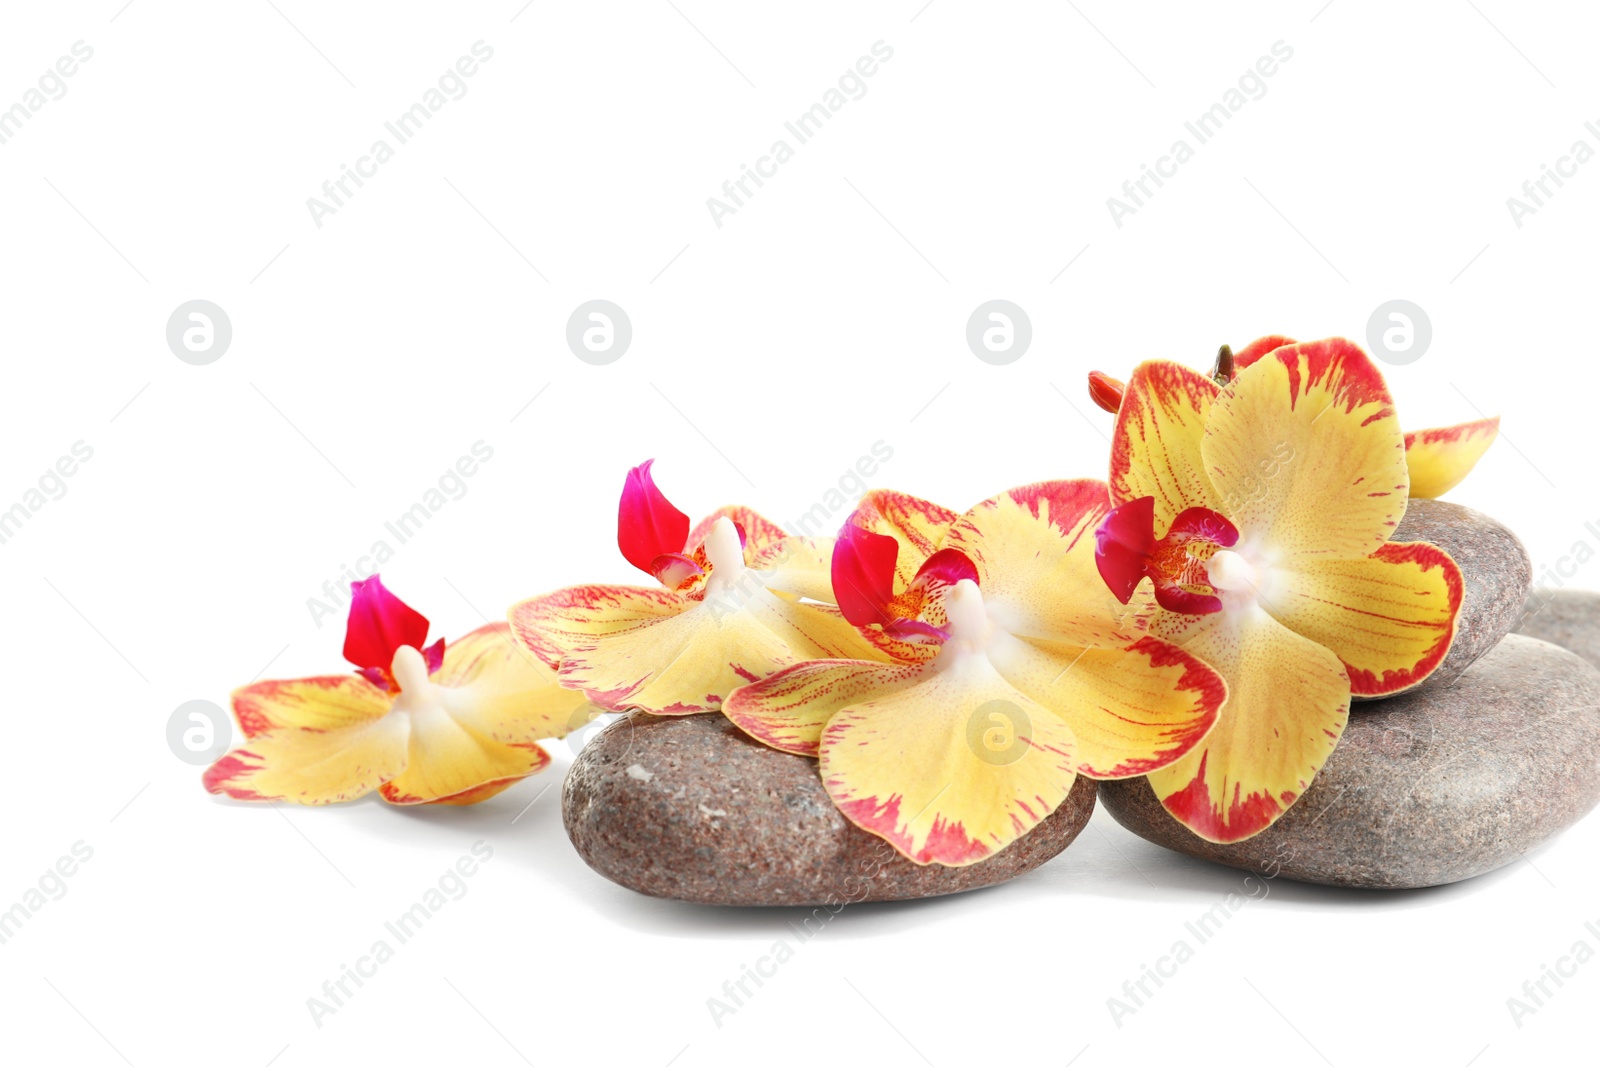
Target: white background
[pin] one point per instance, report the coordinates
(768, 354)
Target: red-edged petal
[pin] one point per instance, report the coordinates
(647, 524)
(380, 622)
(863, 574)
(1390, 618)
(1105, 391)
(1258, 348)
(1305, 452)
(1155, 447)
(1438, 459)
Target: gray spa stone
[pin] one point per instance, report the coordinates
(1566, 617)
(690, 808)
(1496, 574)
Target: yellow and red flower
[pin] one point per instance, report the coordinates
(736, 601)
(1437, 459)
(1012, 674)
(449, 723)
(1261, 511)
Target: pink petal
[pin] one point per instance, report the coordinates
(1127, 550)
(1203, 524)
(948, 566)
(916, 631)
(647, 524)
(380, 622)
(379, 676)
(863, 574)
(1123, 543)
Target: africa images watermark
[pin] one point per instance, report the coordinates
(806, 126)
(846, 491)
(451, 485)
(51, 885)
(52, 485)
(1538, 190)
(451, 885)
(1137, 992)
(405, 126)
(1203, 128)
(737, 992)
(51, 85)
(1537, 992)
(1556, 575)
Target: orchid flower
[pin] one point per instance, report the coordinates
(452, 723)
(1017, 675)
(1438, 459)
(1261, 512)
(734, 605)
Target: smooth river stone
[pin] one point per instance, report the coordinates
(1429, 787)
(692, 809)
(1566, 617)
(1496, 575)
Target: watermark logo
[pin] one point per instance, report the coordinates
(999, 332)
(998, 733)
(1251, 85)
(584, 723)
(199, 332)
(599, 332)
(198, 732)
(1399, 332)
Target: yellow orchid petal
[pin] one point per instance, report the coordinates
(1306, 453)
(690, 661)
(477, 721)
(1034, 549)
(1132, 710)
(551, 625)
(674, 654)
(313, 766)
(1155, 449)
(949, 770)
(1438, 459)
(1288, 700)
(322, 703)
(502, 690)
(1390, 618)
(797, 567)
(453, 760)
(789, 709)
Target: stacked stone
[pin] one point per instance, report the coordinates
(1497, 751)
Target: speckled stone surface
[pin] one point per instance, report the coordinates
(1566, 617)
(1495, 572)
(1429, 787)
(690, 808)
